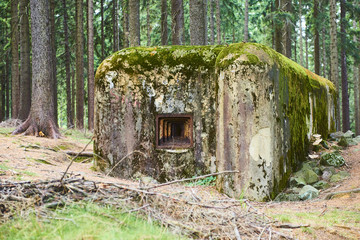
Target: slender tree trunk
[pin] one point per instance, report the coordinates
(164, 27)
(197, 24)
(69, 112)
(356, 88)
(205, 21)
(91, 63)
(53, 57)
(41, 117)
(73, 96)
(79, 66)
(126, 22)
(15, 75)
(115, 25)
(2, 95)
(301, 36)
(246, 21)
(212, 24)
(344, 81)
(306, 49)
(102, 29)
(148, 26)
(218, 22)
(324, 52)
(288, 30)
(177, 22)
(316, 38)
(278, 30)
(134, 22)
(25, 77)
(358, 84)
(7, 113)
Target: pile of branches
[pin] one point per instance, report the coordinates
(184, 211)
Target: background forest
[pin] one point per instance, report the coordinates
(321, 35)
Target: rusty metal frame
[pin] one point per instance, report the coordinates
(186, 116)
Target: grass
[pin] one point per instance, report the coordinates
(82, 136)
(84, 221)
(6, 131)
(4, 167)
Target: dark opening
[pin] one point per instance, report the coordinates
(174, 131)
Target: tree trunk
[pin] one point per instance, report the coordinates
(218, 22)
(197, 24)
(41, 117)
(148, 26)
(73, 96)
(344, 81)
(324, 52)
(15, 75)
(102, 29)
(316, 38)
(205, 21)
(246, 21)
(212, 24)
(25, 77)
(91, 64)
(164, 27)
(356, 89)
(126, 22)
(2, 95)
(177, 22)
(288, 30)
(53, 58)
(69, 112)
(115, 19)
(79, 66)
(278, 30)
(7, 113)
(134, 22)
(301, 36)
(306, 50)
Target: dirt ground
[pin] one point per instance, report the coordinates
(35, 158)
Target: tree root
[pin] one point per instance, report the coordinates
(31, 127)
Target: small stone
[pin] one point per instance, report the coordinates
(336, 135)
(321, 185)
(339, 176)
(306, 174)
(349, 134)
(297, 182)
(287, 197)
(308, 192)
(326, 175)
(343, 142)
(332, 159)
(318, 171)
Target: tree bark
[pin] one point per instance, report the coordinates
(41, 117)
(102, 30)
(212, 24)
(25, 77)
(79, 66)
(218, 22)
(301, 36)
(205, 21)
(69, 112)
(115, 18)
(278, 30)
(344, 81)
(177, 22)
(197, 24)
(91, 63)
(306, 49)
(134, 22)
(15, 75)
(356, 88)
(316, 38)
(53, 58)
(126, 22)
(334, 77)
(324, 60)
(288, 30)
(246, 21)
(164, 27)
(2, 95)
(148, 26)
(73, 96)
(7, 112)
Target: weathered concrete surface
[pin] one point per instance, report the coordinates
(253, 111)
(268, 107)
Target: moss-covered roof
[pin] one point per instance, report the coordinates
(137, 60)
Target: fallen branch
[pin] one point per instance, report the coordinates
(331, 195)
(190, 179)
(80, 154)
(292, 226)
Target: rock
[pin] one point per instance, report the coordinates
(349, 134)
(297, 182)
(324, 144)
(326, 175)
(336, 135)
(308, 192)
(332, 159)
(318, 171)
(287, 197)
(306, 174)
(321, 185)
(343, 142)
(314, 156)
(357, 139)
(339, 176)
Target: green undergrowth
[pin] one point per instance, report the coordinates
(6, 131)
(82, 136)
(209, 181)
(84, 221)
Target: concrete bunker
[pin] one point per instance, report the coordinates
(199, 109)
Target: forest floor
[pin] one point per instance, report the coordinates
(35, 158)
